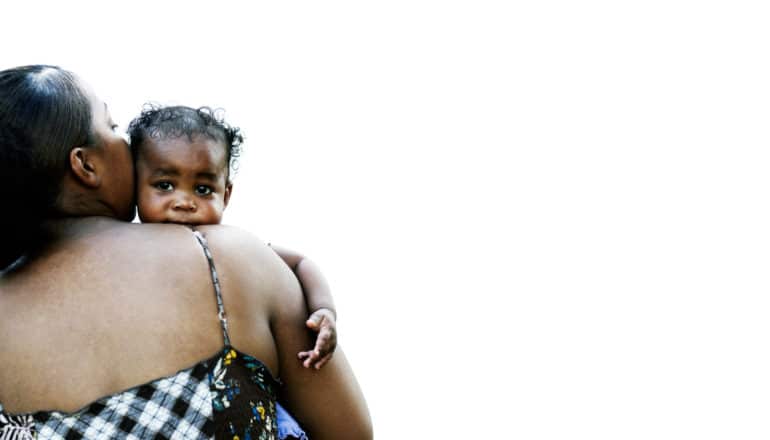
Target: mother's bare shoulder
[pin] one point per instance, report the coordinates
(249, 265)
(243, 250)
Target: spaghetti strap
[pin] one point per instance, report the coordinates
(217, 288)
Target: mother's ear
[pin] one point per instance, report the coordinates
(85, 165)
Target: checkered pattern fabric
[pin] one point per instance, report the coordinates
(175, 407)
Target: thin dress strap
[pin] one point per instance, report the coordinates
(217, 288)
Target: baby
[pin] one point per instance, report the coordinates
(183, 162)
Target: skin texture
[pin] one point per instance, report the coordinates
(108, 305)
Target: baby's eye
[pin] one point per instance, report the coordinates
(164, 186)
(203, 190)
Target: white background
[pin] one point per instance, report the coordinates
(540, 219)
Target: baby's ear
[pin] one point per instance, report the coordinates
(83, 166)
(228, 191)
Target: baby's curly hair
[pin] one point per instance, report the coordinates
(171, 122)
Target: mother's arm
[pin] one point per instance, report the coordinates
(328, 403)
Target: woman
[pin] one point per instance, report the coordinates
(110, 328)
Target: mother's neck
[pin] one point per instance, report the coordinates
(78, 201)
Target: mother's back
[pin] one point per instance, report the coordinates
(109, 305)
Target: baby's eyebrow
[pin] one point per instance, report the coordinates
(207, 175)
(165, 172)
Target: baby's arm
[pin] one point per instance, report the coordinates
(323, 317)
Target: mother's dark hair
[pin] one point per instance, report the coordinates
(44, 113)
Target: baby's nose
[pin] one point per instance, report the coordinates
(185, 204)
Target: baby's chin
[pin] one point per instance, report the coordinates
(148, 219)
(152, 219)
(189, 219)
(176, 222)
(171, 221)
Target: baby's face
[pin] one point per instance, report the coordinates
(179, 181)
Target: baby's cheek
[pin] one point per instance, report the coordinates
(149, 208)
(213, 217)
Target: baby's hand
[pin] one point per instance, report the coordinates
(324, 322)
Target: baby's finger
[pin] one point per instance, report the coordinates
(308, 358)
(315, 320)
(311, 359)
(323, 343)
(326, 341)
(323, 361)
